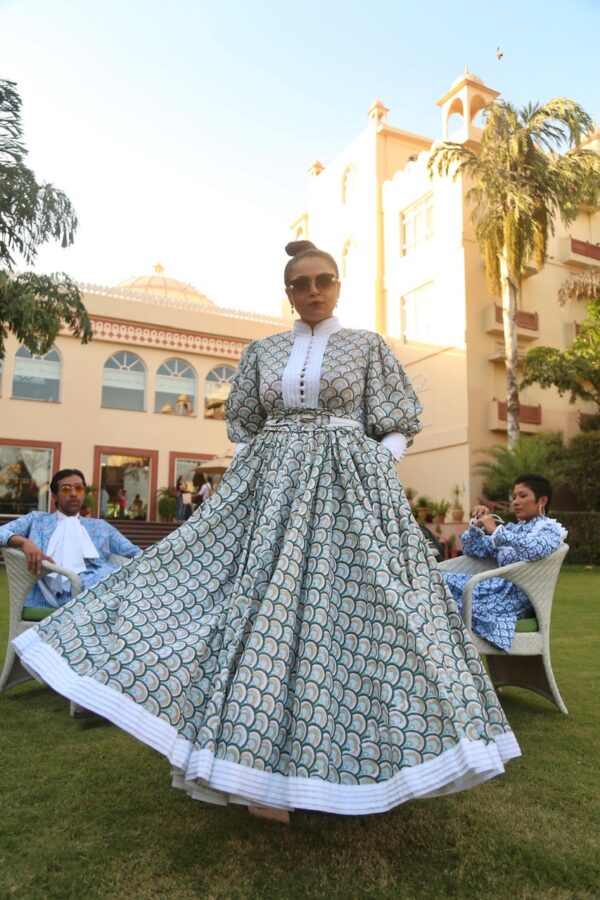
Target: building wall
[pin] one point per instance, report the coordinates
(155, 332)
(433, 302)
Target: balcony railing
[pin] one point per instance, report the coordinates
(500, 353)
(528, 415)
(580, 253)
(529, 320)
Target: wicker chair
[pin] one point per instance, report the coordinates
(20, 583)
(528, 663)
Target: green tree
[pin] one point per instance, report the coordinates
(521, 182)
(31, 213)
(543, 453)
(576, 370)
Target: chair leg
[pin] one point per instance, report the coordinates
(531, 672)
(13, 672)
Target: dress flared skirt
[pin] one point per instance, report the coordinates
(292, 644)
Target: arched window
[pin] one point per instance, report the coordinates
(346, 266)
(216, 391)
(477, 111)
(348, 181)
(124, 381)
(37, 377)
(175, 388)
(456, 117)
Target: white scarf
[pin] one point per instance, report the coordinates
(69, 546)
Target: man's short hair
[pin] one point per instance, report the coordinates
(65, 473)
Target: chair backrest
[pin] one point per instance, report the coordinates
(538, 579)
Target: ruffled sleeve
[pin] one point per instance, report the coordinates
(244, 412)
(391, 405)
(476, 542)
(542, 539)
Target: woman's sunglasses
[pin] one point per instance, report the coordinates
(300, 286)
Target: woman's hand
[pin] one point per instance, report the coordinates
(488, 523)
(482, 518)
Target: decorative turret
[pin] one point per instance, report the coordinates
(378, 114)
(466, 98)
(316, 168)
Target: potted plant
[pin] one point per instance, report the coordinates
(441, 511)
(167, 504)
(421, 507)
(457, 509)
(410, 494)
(451, 547)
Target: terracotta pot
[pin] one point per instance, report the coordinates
(457, 513)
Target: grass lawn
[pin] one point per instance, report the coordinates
(87, 812)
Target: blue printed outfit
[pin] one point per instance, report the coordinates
(498, 603)
(39, 527)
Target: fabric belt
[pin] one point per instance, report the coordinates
(315, 417)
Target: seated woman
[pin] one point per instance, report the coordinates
(498, 603)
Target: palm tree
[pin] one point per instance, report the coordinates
(521, 183)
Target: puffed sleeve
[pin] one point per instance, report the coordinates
(543, 539)
(391, 405)
(244, 412)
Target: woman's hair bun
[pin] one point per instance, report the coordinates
(295, 247)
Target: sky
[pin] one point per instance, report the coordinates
(182, 131)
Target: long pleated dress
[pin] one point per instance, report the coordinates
(292, 644)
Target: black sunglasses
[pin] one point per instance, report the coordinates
(324, 281)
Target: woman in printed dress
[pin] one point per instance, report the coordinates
(293, 644)
(498, 604)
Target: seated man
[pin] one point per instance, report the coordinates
(65, 538)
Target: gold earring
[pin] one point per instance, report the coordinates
(541, 510)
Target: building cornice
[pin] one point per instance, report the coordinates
(157, 300)
(123, 331)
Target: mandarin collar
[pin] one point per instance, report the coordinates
(325, 326)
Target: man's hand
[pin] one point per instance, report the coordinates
(33, 554)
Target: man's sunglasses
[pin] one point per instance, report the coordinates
(300, 286)
(66, 489)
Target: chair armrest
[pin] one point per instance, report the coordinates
(468, 565)
(510, 573)
(76, 584)
(536, 578)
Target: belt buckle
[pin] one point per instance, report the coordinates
(308, 416)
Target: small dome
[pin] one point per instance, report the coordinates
(466, 74)
(158, 285)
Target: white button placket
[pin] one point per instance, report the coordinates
(304, 369)
(301, 378)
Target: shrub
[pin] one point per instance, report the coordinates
(582, 469)
(584, 536)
